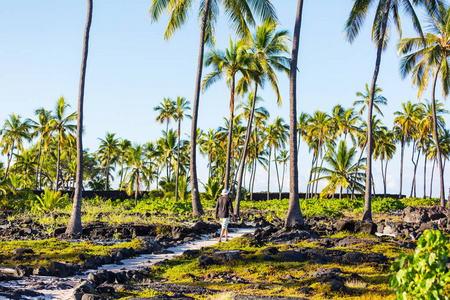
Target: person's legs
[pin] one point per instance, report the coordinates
(221, 234)
(226, 235)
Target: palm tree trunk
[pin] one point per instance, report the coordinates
(107, 174)
(178, 160)
(278, 175)
(425, 177)
(436, 136)
(431, 181)
(9, 160)
(58, 163)
(282, 177)
(248, 135)
(294, 217)
(136, 189)
(38, 164)
(268, 174)
(197, 209)
(401, 165)
(74, 225)
(383, 175)
(357, 167)
(230, 137)
(121, 173)
(367, 196)
(309, 185)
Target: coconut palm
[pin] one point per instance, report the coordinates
(276, 138)
(235, 60)
(283, 159)
(384, 149)
(404, 124)
(363, 99)
(240, 16)
(208, 146)
(39, 128)
(385, 10)
(13, 132)
(181, 107)
(341, 168)
(346, 122)
(122, 150)
(294, 215)
(62, 125)
(268, 47)
(108, 152)
(167, 146)
(429, 56)
(74, 225)
(25, 166)
(166, 111)
(137, 171)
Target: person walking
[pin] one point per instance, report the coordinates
(224, 208)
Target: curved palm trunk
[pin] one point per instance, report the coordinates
(294, 216)
(436, 137)
(197, 209)
(401, 166)
(368, 197)
(37, 167)
(268, 174)
(9, 160)
(136, 189)
(74, 226)
(178, 161)
(230, 137)
(244, 153)
(58, 162)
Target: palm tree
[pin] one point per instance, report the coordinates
(346, 121)
(363, 99)
(234, 60)
(385, 150)
(138, 172)
(122, 150)
(25, 166)
(294, 216)
(74, 225)
(166, 110)
(13, 133)
(40, 130)
(268, 48)
(404, 124)
(181, 106)
(385, 10)
(341, 169)
(282, 158)
(62, 125)
(108, 151)
(277, 136)
(429, 56)
(167, 150)
(208, 146)
(240, 16)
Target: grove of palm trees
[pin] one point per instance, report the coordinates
(328, 127)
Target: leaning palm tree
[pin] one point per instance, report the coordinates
(62, 125)
(240, 16)
(364, 97)
(235, 60)
(429, 56)
(385, 10)
(14, 132)
(339, 173)
(181, 106)
(74, 225)
(108, 152)
(268, 47)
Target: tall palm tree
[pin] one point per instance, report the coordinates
(181, 107)
(240, 17)
(404, 124)
(40, 130)
(341, 169)
(13, 132)
(385, 150)
(429, 56)
(268, 47)
(138, 171)
(282, 158)
(74, 225)
(166, 111)
(208, 146)
(62, 125)
(277, 136)
(364, 97)
(167, 146)
(230, 63)
(385, 10)
(108, 151)
(122, 150)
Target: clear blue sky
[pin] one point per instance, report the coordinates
(131, 69)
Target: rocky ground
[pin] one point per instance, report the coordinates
(336, 260)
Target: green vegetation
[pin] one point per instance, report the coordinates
(423, 275)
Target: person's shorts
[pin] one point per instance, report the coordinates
(224, 222)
